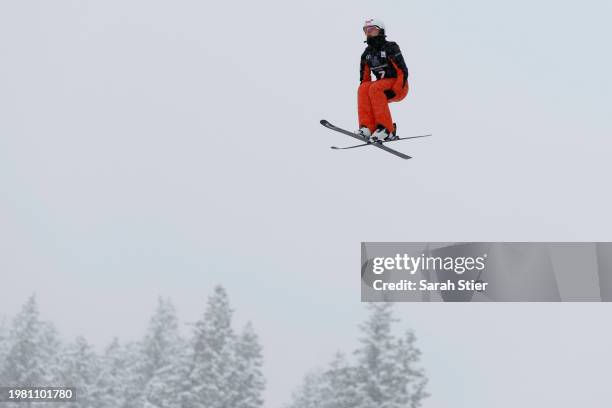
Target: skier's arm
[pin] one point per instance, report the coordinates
(364, 71)
(399, 62)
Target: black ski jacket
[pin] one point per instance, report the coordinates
(384, 59)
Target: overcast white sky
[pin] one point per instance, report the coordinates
(156, 147)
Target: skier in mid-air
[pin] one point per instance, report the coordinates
(384, 59)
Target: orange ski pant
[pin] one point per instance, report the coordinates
(373, 105)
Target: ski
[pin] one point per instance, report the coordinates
(363, 139)
(369, 143)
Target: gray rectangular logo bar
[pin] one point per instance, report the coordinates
(486, 271)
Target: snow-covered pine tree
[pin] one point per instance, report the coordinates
(386, 373)
(161, 338)
(340, 387)
(311, 393)
(386, 366)
(31, 350)
(375, 365)
(79, 367)
(166, 387)
(131, 354)
(212, 359)
(248, 379)
(114, 373)
(411, 381)
(163, 371)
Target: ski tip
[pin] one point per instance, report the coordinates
(334, 147)
(323, 122)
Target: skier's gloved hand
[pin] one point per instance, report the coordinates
(390, 93)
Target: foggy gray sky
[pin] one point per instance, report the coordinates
(152, 147)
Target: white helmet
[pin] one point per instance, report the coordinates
(374, 22)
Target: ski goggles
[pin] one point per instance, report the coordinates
(371, 29)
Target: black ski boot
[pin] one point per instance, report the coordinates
(380, 134)
(392, 136)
